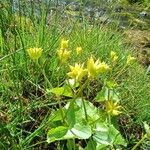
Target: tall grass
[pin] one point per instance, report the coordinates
(24, 103)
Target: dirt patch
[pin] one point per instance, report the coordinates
(140, 41)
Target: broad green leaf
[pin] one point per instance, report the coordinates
(100, 97)
(71, 114)
(102, 147)
(101, 134)
(108, 135)
(56, 133)
(103, 95)
(61, 91)
(115, 136)
(91, 145)
(91, 110)
(57, 115)
(81, 131)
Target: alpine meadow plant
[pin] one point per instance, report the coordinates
(35, 53)
(67, 93)
(79, 118)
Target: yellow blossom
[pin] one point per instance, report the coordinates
(77, 72)
(113, 108)
(63, 55)
(94, 68)
(103, 67)
(64, 44)
(78, 50)
(35, 53)
(130, 59)
(113, 56)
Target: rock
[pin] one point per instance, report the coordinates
(143, 14)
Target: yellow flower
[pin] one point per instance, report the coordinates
(63, 55)
(77, 72)
(113, 108)
(35, 53)
(64, 44)
(78, 50)
(130, 59)
(113, 56)
(103, 67)
(94, 68)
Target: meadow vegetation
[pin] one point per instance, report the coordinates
(67, 83)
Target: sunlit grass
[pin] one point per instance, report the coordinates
(25, 104)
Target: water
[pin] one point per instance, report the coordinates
(102, 11)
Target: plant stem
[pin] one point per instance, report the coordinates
(80, 92)
(109, 116)
(86, 116)
(43, 72)
(138, 143)
(109, 119)
(121, 71)
(61, 110)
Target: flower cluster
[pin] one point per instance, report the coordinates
(93, 69)
(113, 56)
(35, 53)
(78, 50)
(77, 72)
(130, 59)
(113, 108)
(63, 53)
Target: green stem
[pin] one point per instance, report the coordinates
(43, 72)
(61, 111)
(109, 116)
(80, 92)
(120, 72)
(109, 119)
(81, 88)
(86, 116)
(138, 143)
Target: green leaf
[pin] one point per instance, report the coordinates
(56, 133)
(71, 118)
(91, 110)
(100, 97)
(108, 135)
(81, 131)
(111, 84)
(103, 95)
(61, 91)
(91, 145)
(115, 136)
(112, 94)
(101, 135)
(57, 115)
(147, 129)
(62, 133)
